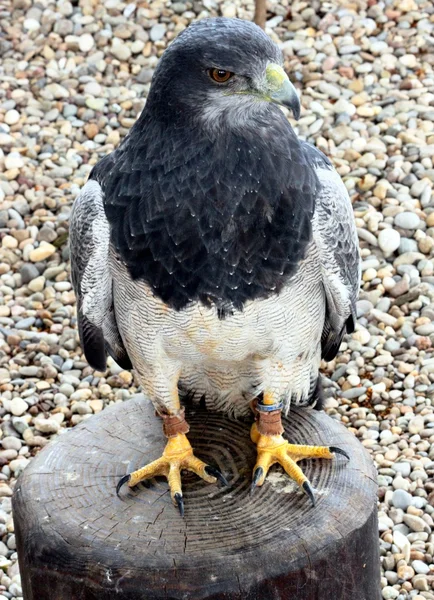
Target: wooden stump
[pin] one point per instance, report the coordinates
(77, 541)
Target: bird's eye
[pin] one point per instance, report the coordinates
(220, 75)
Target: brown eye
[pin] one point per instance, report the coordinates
(220, 75)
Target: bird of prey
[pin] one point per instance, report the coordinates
(215, 252)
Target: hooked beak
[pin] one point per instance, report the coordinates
(280, 90)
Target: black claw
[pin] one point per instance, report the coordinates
(309, 491)
(121, 482)
(258, 473)
(338, 451)
(216, 473)
(180, 503)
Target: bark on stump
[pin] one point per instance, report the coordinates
(77, 541)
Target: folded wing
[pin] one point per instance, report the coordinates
(90, 246)
(335, 235)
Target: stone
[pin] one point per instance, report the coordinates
(14, 160)
(120, 49)
(228, 10)
(44, 251)
(18, 407)
(407, 220)
(420, 567)
(37, 284)
(5, 491)
(389, 240)
(402, 543)
(9, 242)
(401, 499)
(420, 582)
(28, 272)
(31, 24)
(97, 104)
(47, 234)
(86, 42)
(57, 91)
(93, 88)
(415, 523)
(12, 117)
(96, 405)
(157, 32)
(404, 572)
(362, 335)
(91, 130)
(408, 60)
(416, 425)
(389, 593)
(11, 443)
(47, 425)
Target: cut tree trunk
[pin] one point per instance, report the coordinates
(77, 541)
(260, 13)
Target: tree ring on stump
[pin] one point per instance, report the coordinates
(78, 540)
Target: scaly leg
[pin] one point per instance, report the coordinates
(177, 455)
(266, 433)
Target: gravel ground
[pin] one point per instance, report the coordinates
(74, 76)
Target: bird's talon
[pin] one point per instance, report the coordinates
(177, 456)
(121, 482)
(179, 503)
(308, 490)
(274, 449)
(213, 472)
(257, 475)
(336, 450)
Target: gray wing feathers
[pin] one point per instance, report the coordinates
(336, 238)
(90, 244)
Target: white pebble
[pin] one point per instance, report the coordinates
(86, 42)
(389, 240)
(18, 407)
(14, 160)
(12, 116)
(31, 24)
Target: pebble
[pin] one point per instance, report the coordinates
(415, 523)
(407, 220)
(31, 24)
(86, 42)
(12, 117)
(420, 567)
(416, 425)
(13, 160)
(401, 499)
(37, 284)
(28, 272)
(120, 50)
(18, 407)
(420, 583)
(402, 543)
(389, 240)
(47, 425)
(157, 32)
(44, 251)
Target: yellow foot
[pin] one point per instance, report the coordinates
(177, 455)
(275, 449)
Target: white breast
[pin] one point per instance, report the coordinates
(273, 342)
